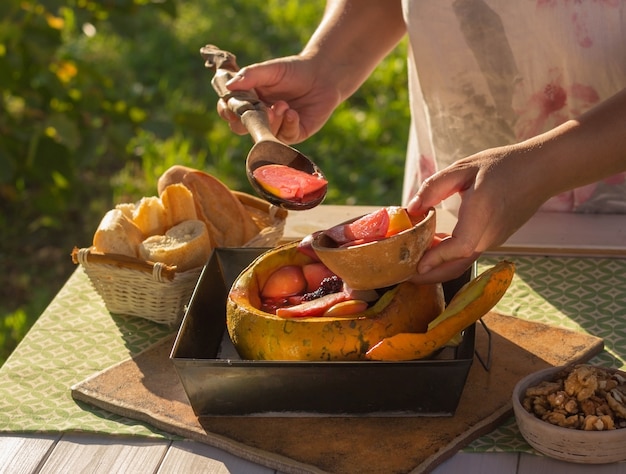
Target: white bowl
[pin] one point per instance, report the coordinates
(566, 444)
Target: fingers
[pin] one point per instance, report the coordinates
(251, 77)
(289, 131)
(449, 249)
(439, 187)
(248, 78)
(451, 256)
(284, 122)
(444, 272)
(454, 254)
(232, 118)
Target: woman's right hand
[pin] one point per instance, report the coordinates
(299, 99)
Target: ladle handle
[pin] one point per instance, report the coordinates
(225, 65)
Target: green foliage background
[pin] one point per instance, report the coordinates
(98, 98)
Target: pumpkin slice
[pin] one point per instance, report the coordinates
(472, 302)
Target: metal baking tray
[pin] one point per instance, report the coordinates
(219, 383)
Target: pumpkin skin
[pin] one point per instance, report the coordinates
(258, 335)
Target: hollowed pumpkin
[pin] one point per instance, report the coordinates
(258, 335)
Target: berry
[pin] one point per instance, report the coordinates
(329, 285)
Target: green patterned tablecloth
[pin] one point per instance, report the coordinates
(582, 294)
(76, 337)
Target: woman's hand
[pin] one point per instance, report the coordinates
(299, 101)
(499, 192)
(303, 90)
(502, 188)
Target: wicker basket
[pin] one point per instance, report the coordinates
(156, 291)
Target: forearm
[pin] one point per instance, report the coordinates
(353, 37)
(583, 150)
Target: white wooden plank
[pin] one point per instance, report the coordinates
(105, 454)
(530, 464)
(301, 223)
(188, 456)
(479, 463)
(22, 453)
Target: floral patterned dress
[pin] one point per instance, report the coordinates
(485, 73)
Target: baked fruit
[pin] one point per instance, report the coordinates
(289, 183)
(261, 335)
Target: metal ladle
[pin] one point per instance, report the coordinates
(267, 149)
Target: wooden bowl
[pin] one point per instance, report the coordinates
(565, 444)
(381, 263)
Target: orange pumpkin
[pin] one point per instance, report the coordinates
(258, 335)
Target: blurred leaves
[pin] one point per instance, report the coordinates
(99, 97)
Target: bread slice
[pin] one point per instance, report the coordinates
(186, 245)
(150, 216)
(116, 234)
(127, 209)
(179, 204)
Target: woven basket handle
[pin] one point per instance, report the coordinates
(159, 271)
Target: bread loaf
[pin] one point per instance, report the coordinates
(186, 245)
(226, 218)
(150, 216)
(116, 234)
(179, 204)
(174, 174)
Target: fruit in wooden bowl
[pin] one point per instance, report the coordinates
(377, 250)
(267, 318)
(575, 413)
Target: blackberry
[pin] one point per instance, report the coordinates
(329, 285)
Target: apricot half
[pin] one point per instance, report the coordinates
(258, 335)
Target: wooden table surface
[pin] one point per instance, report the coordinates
(94, 453)
(86, 453)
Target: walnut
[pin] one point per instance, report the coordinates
(571, 406)
(597, 405)
(607, 385)
(540, 405)
(618, 395)
(544, 388)
(608, 422)
(561, 400)
(598, 423)
(557, 399)
(582, 382)
(581, 397)
(561, 419)
(588, 407)
(615, 405)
